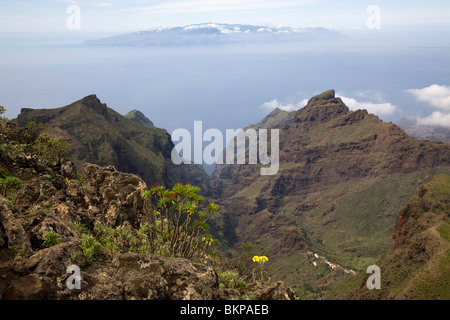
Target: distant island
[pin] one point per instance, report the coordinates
(215, 33)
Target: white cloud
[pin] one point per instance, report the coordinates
(273, 104)
(437, 118)
(384, 108)
(435, 95)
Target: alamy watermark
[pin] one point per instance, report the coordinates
(74, 281)
(236, 150)
(374, 281)
(373, 21)
(73, 22)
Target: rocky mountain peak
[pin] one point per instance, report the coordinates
(94, 103)
(324, 96)
(139, 117)
(322, 107)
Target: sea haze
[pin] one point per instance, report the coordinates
(224, 85)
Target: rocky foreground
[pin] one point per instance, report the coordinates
(41, 235)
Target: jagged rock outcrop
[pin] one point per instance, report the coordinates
(119, 277)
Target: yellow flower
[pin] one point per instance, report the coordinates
(260, 259)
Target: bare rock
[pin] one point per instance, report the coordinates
(271, 291)
(145, 276)
(118, 193)
(16, 236)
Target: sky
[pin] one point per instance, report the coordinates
(133, 15)
(410, 24)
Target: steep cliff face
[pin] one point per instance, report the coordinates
(343, 177)
(98, 134)
(417, 266)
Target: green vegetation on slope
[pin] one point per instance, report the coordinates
(100, 135)
(417, 267)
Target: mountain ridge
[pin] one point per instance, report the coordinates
(343, 177)
(100, 135)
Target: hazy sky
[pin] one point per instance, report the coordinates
(397, 66)
(133, 15)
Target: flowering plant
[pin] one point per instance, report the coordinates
(177, 223)
(261, 260)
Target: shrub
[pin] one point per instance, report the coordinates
(111, 240)
(50, 149)
(9, 183)
(51, 238)
(121, 239)
(231, 279)
(4, 172)
(30, 140)
(15, 251)
(30, 133)
(90, 247)
(178, 226)
(18, 140)
(82, 229)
